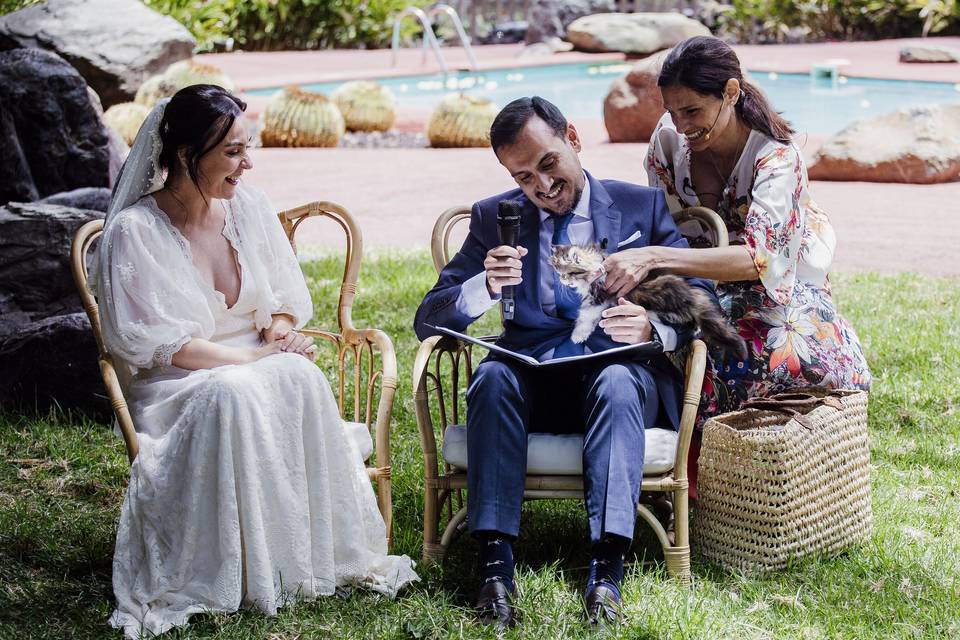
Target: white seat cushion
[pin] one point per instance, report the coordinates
(361, 437)
(562, 453)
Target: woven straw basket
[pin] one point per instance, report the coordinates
(784, 478)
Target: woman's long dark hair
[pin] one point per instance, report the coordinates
(704, 64)
(196, 119)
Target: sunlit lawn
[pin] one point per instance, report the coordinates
(62, 482)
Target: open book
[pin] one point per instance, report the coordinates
(641, 349)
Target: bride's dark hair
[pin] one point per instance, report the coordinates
(196, 120)
(704, 64)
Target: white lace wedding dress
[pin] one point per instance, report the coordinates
(247, 490)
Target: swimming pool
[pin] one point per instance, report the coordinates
(819, 107)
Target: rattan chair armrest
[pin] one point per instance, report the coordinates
(710, 218)
(421, 401)
(388, 389)
(693, 383)
(120, 409)
(387, 377)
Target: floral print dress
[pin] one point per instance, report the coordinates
(795, 335)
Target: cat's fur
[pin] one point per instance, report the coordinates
(671, 297)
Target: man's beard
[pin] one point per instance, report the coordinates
(577, 194)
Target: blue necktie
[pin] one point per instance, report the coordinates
(566, 299)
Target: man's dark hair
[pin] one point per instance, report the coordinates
(513, 117)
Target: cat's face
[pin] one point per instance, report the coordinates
(577, 265)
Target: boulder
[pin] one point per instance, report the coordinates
(35, 278)
(118, 146)
(632, 33)
(633, 105)
(549, 18)
(52, 363)
(929, 53)
(90, 198)
(114, 44)
(920, 145)
(51, 138)
(47, 351)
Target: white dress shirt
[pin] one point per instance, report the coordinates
(475, 299)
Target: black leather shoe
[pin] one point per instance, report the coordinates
(602, 605)
(495, 605)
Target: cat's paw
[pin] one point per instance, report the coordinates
(581, 333)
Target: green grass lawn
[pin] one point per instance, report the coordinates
(62, 481)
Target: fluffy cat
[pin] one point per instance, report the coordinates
(674, 301)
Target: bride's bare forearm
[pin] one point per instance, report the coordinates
(203, 354)
(724, 264)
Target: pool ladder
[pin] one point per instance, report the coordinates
(429, 37)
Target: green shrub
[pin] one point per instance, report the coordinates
(817, 20)
(270, 25)
(9, 6)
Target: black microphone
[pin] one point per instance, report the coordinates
(706, 136)
(508, 230)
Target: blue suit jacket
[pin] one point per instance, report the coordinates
(619, 210)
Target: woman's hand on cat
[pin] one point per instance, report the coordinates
(628, 268)
(503, 266)
(626, 322)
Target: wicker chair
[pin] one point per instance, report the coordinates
(366, 362)
(442, 371)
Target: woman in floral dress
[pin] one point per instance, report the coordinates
(721, 145)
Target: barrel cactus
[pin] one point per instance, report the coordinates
(152, 89)
(366, 106)
(298, 118)
(126, 118)
(461, 121)
(179, 75)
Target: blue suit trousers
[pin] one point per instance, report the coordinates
(611, 403)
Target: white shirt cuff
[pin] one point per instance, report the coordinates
(474, 299)
(668, 336)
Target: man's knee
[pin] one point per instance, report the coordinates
(620, 383)
(492, 379)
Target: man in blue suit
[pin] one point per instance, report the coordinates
(610, 400)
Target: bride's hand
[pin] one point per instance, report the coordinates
(628, 268)
(296, 342)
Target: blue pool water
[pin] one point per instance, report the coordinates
(817, 107)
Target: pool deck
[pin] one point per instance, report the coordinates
(396, 194)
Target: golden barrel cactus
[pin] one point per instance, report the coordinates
(152, 89)
(461, 121)
(125, 118)
(366, 106)
(179, 75)
(298, 118)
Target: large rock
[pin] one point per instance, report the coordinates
(549, 18)
(920, 145)
(52, 363)
(929, 53)
(47, 352)
(91, 198)
(51, 138)
(114, 44)
(633, 105)
(119, 149)
(35, 280)
(632, 33)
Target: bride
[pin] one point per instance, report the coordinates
(247, 491)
